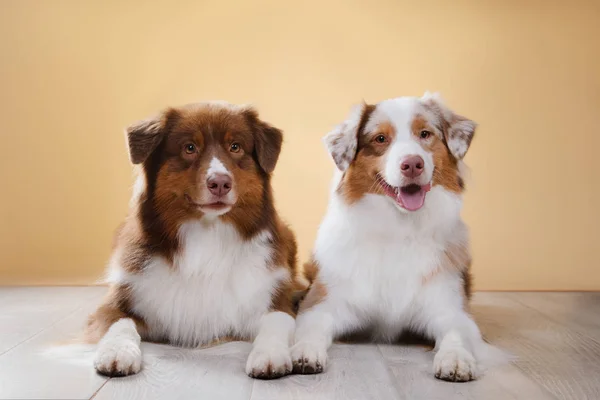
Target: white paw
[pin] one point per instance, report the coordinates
(308, 358)
(455, 365)
(269, 362)
(118, 357)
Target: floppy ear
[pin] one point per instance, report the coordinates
(267, 141)
(342, 141)
(144, 136)
(458, 130)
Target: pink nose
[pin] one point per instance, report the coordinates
(412, 166)
(219, 184)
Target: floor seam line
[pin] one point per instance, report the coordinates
(100, 388)
(41, 331)
(390, 373)
(568, 327)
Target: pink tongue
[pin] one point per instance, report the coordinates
(413, 201)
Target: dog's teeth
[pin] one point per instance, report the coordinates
(396, 190)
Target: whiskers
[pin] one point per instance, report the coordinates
(377, 187)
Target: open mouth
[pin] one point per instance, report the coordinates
(410, 197)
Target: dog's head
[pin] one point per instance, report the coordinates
(205, 159)
(400, 148)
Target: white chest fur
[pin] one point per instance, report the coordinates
(219, 285)
(374, 257)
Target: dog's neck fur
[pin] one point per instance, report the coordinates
(161, 232)
(378, 214)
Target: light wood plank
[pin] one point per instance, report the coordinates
(563, 361)
(26, 311)
(174, 373)
(554, 336)
(412, 367)
(580, 311)
(32, 371)
(355, 371)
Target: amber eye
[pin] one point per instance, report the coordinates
(190, 148)
(425, 134)
(380, 139)
(235, 147)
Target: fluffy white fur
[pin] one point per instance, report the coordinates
(373, 258)
(120, 346)
(272, 345)
(220, 286)
(403, 145)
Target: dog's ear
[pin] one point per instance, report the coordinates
(144, 136)
(458, 130)
(342, 141)
(267, 141)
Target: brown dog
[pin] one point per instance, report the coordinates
(203, 254)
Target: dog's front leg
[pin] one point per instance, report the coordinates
(454, 360)
(119, 352)
(270, 355)
(314, 335)
(317, 325)
(456, 337)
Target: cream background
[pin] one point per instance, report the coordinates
(74, 73)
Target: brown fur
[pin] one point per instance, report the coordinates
(222, 340)
(449, 124)
(467, 278)
(311, 269)
(446, 166)
(173, 176)
(284, 300)
(114, 307)
(317, 291)
(315, 295)
(361, 176)
(456, 258)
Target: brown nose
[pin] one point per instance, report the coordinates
(219, 184)
(412, 166)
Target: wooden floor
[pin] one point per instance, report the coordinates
(556, 337)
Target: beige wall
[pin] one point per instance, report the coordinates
(73, 74)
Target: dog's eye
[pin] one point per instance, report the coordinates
(380, 139)
(190, 148)
(235, 147)
(425, 134)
